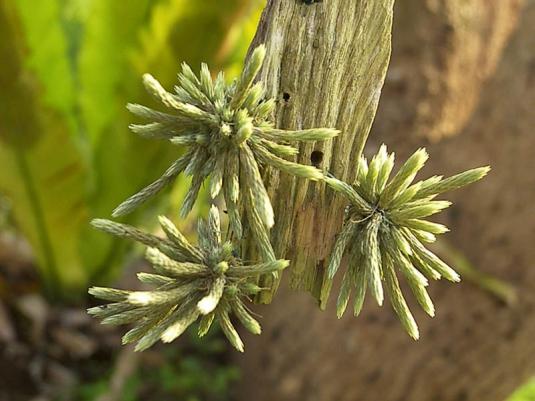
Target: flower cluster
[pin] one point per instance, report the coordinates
(208, 282)
(229, 137)
(385, 230)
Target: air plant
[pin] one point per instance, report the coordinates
(229, 136)
(207, 282)
(384, 232)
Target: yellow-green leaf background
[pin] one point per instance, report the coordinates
(68, 69)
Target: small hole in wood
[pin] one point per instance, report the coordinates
(286, 96)
(316, 157)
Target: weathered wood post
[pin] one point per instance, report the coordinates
(326, 64)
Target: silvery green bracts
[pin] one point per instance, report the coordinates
(229, 138)
(206, 283)
(384, 232)
(227, 131)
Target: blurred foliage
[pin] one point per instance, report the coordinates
(68, 69)
(5, 211)
(524, 393)
(198, 372)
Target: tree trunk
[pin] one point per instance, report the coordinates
(477, 80)
(326, 64)
(445, 51)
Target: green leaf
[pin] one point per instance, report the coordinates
(525, 393)
(48, 58)
(111, 35)
(42, 170)
(210, 31)
(68, 69)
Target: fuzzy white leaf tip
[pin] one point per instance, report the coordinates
(140, 298)
(207, 304)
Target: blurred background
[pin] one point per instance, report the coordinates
(67, 70)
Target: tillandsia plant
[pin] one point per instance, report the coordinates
(229, 137)
(385, 230)
(207, 282)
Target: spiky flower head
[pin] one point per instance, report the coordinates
(384, 233)
(206, 282)
(229, 137)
